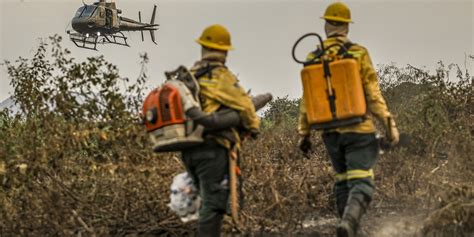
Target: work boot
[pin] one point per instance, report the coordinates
(353, 212)
(345, 229)
(211, 228)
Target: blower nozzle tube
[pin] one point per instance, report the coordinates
(227, 117)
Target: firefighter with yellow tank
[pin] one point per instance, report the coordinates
(352, 147)
(208, 164)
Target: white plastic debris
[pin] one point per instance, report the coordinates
(185, 200)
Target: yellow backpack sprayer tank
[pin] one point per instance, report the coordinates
(332, 87)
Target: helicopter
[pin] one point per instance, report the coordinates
(100, 23)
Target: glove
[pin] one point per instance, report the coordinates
(305, 144)
(392, 132)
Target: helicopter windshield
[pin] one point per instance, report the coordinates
(88, 11)
(85, 11)
(79, 11)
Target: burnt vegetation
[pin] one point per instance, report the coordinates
(75, 160)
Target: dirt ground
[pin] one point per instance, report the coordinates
(376, 223)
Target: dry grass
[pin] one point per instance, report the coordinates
(68, 169)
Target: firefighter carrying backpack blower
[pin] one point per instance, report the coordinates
(173, 115)
(341, 95)
(203, 113)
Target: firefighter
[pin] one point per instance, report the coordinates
(208, 164)
(353, 149)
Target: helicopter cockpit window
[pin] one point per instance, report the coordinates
(79, 11)
(88, 11)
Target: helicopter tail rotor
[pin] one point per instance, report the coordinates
(140, 19)
(152, 34)
(152, 22)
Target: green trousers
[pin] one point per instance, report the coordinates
(352, 155)
(208, 166)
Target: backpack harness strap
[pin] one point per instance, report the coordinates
(205, 70)
(344, 49)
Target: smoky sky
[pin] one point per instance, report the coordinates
(419, 33)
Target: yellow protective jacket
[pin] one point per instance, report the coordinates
(220, 89)
(375, 102)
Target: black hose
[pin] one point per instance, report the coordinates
(214, 121)
(299, 40)
(321, 52)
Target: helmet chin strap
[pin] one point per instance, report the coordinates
(336, 30)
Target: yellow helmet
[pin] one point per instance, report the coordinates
(338, 12)
(215, 37)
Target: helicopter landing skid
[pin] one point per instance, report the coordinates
(118, 38)
(90, 41)
(83, 41)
